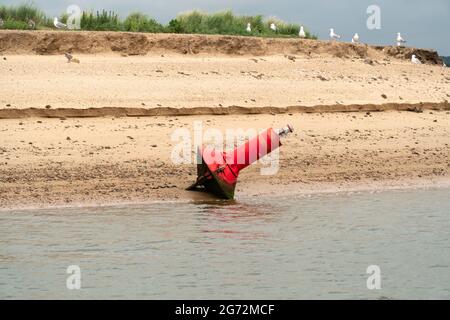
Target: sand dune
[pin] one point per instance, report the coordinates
(89, 42)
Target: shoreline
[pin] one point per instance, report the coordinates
(318, 189)
(120, 160)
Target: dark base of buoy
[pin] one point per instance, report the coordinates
(210, 186)
(211, 183)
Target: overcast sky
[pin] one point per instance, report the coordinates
(424, 24)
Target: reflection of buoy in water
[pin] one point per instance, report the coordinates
(217, 171)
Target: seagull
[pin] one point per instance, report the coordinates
(59, 25)
(355, 38)
(333, 35)
(302, 33)
(400, 40)
(415, 60)
(249, 27)
(273, 27)
(31, 24)
(68, 56)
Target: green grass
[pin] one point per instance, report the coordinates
(100, 21)
(15, 25)
(16, 17)
(230, 24)
(138, 22)
(110, 21)
(196, 22)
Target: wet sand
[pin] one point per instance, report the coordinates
(94, 161)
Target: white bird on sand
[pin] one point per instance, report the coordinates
(334, 36)
(355, 38)
(302, 33)
(273, 26)
(31, 24)
(400, 40)
(415, 60)
(249, 27)
(58, 24)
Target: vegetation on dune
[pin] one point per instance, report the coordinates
(15, 25)
(216, 23)
(225, 22)
(17, 17)
(289, 29)
(228, 23)
(138, 22)
(100, 21)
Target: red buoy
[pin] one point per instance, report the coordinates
(217, 171)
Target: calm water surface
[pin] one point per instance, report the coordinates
(278, 248)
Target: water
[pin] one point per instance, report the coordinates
(279, 248)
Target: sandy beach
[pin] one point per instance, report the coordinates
(111, 160)
(180, 81)
(100, 131)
